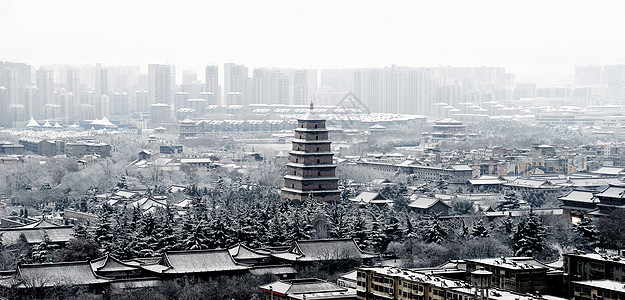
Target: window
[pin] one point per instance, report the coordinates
(296, 160)
(292, 185)
(316, 137)
(317, 148)
(320, 186)
(318, 161)
(315, 126)
(318, 173)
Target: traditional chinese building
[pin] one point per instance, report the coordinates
(311, 171)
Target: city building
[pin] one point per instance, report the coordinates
(306, 288)
(160, 113)
(80, 149)
(520, 274)
(162, 79)
(212, 84)
(311, 170)
(598, 289)
(394, 283)
(235, 79)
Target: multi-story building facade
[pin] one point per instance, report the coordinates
(162, 78)
(212, 82)
(311, 171)
(377, 283)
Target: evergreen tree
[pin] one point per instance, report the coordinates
(375, 236)
(528, 237)
(507, 225)
(587, 235)
(479, 230)
(337, 219)
(103, 233)
(434, 232)
(359, 230)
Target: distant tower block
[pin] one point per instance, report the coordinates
(310, 171)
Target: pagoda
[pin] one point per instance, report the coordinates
(310, 171)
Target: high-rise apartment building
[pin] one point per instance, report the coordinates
(33, 105)
(5, 120)
(212, 82)
(270, 86)
(162, 79)
(189, 76)
(300, 87)
(45, 83)
(72, 83)
(101, 80)
(140, 101)
(235, 79)
(180, 100)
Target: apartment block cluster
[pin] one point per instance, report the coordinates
(53, 147)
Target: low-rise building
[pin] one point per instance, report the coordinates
(395, 283)
(307, 288)
(598, 289)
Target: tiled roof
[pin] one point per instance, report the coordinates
(46, 275)
(274, 270)
(111, 264)
(242, 252)
(579, 196)
(201, 261)
(425, 202)
(302, 286)
(59, 234)
(612, 191)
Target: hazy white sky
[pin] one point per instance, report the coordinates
(530, 38)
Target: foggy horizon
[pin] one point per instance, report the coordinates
(539, 42)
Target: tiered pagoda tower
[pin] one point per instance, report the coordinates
(310, 171)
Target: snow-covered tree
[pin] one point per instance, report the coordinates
(529, 234)
(434, 232)
(479, 230)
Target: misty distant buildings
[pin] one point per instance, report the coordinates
(161, 81)
(212, 84)
(235, 79)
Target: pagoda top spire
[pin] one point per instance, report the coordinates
(311, 115)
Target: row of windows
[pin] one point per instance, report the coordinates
(379, 288)
(298, 149)
(316, 137)
(297, 160)
(293, 186)
(318, 173)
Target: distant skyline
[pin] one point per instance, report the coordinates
(539, 41)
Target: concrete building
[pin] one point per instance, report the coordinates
(311, 170)
(162, 79)
(160, 113)
(212, 83)
(235, 78)
(301, 94)
(80, 149)
(395, 283)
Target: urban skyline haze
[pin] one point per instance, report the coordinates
(539, 41)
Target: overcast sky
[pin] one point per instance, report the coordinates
(534, 39)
